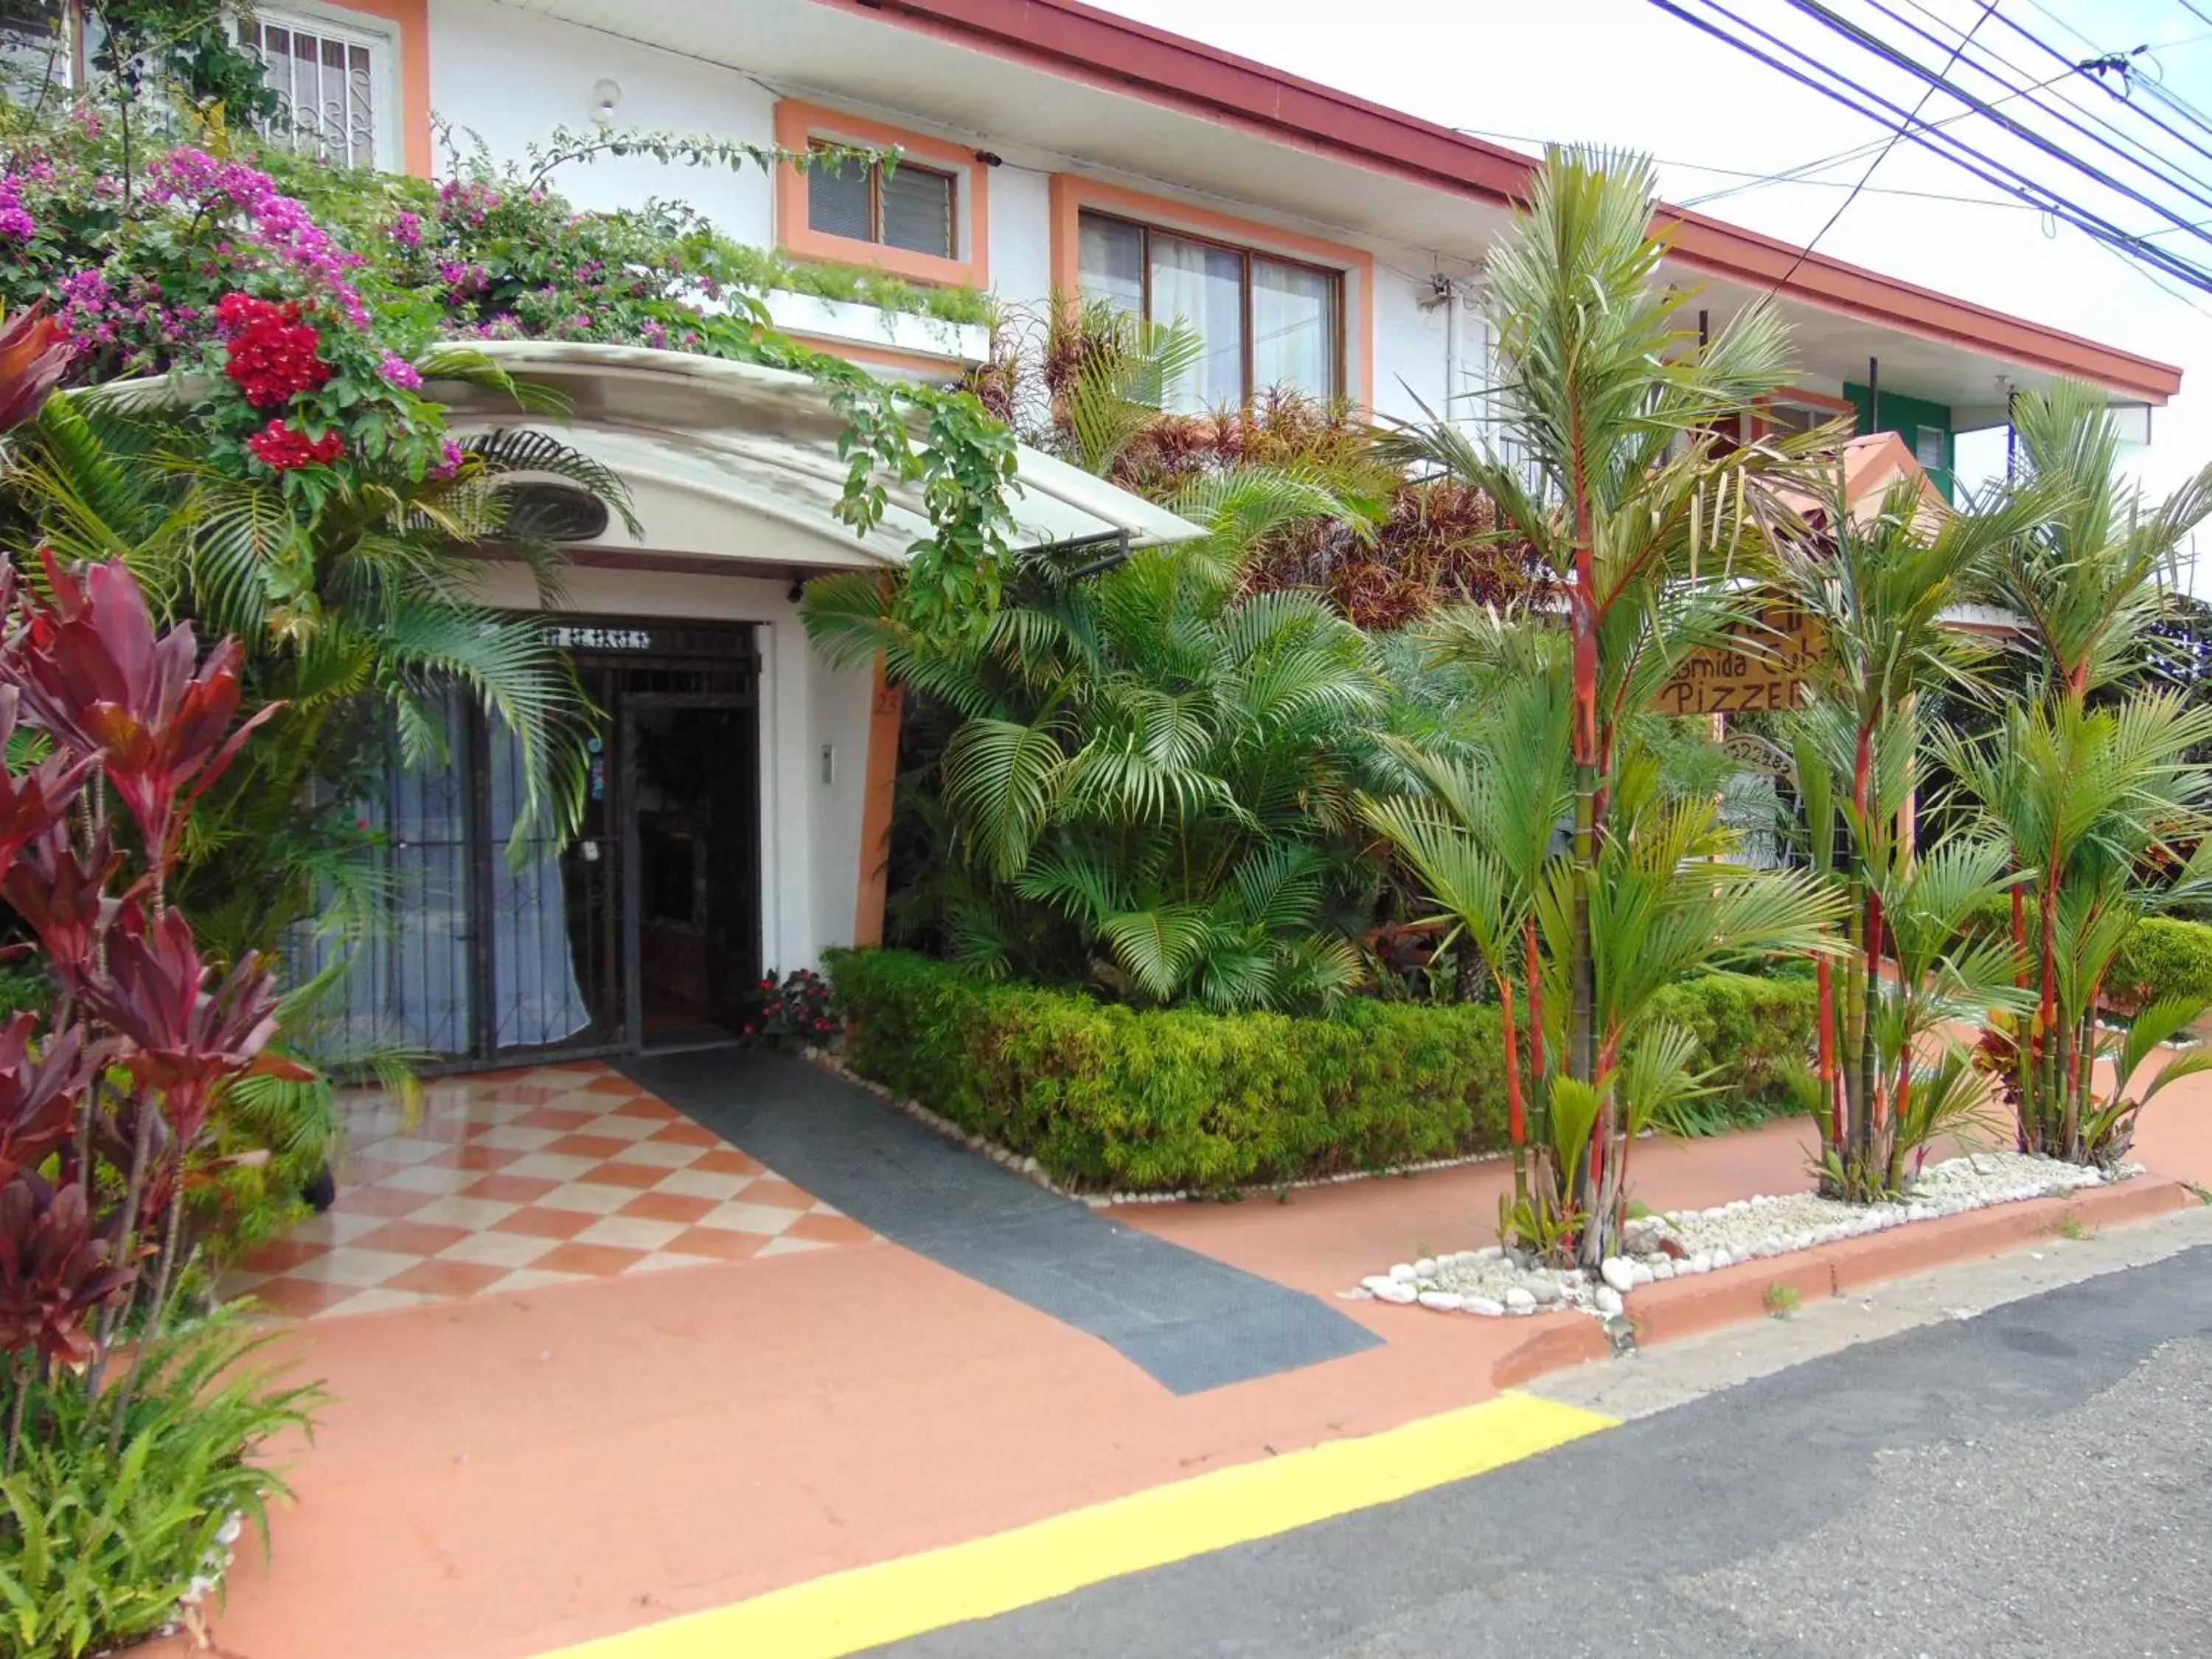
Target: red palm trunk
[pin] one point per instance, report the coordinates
(1825, 976)
(1535, 1003)
(1517, 1120)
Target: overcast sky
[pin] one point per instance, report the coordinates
(1624, 72)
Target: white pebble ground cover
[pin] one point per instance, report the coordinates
(1494, 1282)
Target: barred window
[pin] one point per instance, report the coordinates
(332, 82)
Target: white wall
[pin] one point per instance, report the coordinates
(513, 77)
(809, 831)
(1021, 234)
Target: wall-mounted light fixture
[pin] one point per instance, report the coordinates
(606, 96)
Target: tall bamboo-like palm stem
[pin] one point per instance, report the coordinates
(2085, 582)
(1875, 581)
(1613, 476)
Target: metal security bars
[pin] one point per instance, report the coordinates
(328, 81)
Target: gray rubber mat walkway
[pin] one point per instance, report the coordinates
(1191, 1321)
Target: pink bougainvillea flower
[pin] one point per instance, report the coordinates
(96, 677)
(54, 1272)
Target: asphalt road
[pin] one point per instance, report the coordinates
(2035, 1480)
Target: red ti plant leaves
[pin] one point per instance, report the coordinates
(35, 354)
(62, 895)
(54, 1272)
(38, 1092)
(97, 677)
(33, 802)
(181, 1037)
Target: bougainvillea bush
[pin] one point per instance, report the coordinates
(134, 1431)
(392, 273)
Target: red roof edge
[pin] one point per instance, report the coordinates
(1080, 42)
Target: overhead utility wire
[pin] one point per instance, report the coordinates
(1895, 139)
(1802, 172)
(2181, 106)
(1956, 150)
(2156, 165)
(2128, 80)
(2014, 206)
(2028, 135)
(1999, 174)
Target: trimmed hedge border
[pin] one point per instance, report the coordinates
(1109, 1098)
(2163, 957)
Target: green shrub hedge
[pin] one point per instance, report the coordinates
(2164, 956)
(1108, 1098)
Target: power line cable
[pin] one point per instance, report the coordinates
(1845, 157)
(1895, 139)
(2128, 80)
(1853, 95)
(2015, 206)
(1977, 162)
(2156, 165)
(1882, 49)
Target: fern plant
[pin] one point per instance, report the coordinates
(1147, 785)
(105, 1542)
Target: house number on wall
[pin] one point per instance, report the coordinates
(600, 639)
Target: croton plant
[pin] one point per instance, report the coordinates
(111, 728)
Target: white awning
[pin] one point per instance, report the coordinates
(731, 461)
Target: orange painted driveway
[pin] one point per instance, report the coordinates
(508, 1475)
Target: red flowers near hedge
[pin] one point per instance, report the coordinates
(273, 355)
(285, 448)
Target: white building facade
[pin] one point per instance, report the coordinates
(1046, 148)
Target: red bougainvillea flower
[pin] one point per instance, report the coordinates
(38, 1093)
(62, 895)
(284, 448)
(97, 677)
(54, 1273)
(35, 353)
(183, 1039)
(271, 354)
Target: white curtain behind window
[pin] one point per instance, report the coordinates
(1293, 329)
(1202, 288)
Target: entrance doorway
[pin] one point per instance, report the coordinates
(690, 765)
(642, 932)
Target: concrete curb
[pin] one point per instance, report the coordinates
(1690, 1307)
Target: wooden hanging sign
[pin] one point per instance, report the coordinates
(1763, 670)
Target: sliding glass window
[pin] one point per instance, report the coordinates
(1258, 322)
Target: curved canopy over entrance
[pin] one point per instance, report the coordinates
(729, 462)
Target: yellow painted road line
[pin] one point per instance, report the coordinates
(847, 1611)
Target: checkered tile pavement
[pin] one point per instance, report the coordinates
(517, 1181)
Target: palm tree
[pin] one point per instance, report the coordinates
(2088, 781)
(1878, 589)
(358, 614)
(1619, 484)
(1162, 766)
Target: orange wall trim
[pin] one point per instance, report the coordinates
(796, 123)
(1072, 194)
(882, 788)
(411, 21)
